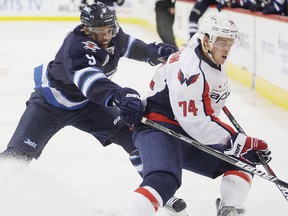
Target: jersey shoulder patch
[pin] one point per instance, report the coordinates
(90, 45)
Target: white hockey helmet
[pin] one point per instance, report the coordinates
(219, 25)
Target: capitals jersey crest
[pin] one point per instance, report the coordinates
(188, 80)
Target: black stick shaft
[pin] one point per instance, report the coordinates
(220, 155)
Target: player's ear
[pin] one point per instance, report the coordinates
(206, 43)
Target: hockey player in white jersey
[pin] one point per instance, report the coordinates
(187, 94)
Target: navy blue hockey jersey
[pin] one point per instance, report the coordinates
(82, 69)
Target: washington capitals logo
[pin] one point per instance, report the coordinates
(189, 80)
(91, 45)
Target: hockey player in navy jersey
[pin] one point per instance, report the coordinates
(75, 88)
(186, 95)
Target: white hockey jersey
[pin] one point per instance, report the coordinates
(191, 90)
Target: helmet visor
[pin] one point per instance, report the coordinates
(106, 30)
(227, 44)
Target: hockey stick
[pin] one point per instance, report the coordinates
(220, 155)
(263, 162)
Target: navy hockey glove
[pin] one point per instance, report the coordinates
(119, 2)
(246, 148)
(159, 53)
(130, 105)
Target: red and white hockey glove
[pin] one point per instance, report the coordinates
(246, 148)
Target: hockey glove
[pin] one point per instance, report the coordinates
(246, 148)
(159, 53)
(130, 105)
(119, 2)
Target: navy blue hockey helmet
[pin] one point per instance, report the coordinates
(97, 15)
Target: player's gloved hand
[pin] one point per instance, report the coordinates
(119, 2)
(159, 52)
(246, 148)
(130, 105)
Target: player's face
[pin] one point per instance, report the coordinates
(103, 35)
(221, 48)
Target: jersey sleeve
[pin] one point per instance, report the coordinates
(133, 48)
(191, 104)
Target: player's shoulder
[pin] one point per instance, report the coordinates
(121, 38)
(189, 62)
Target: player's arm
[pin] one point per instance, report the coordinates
(94, 85)
(153, 53)
(101, 90)
(91, 80)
